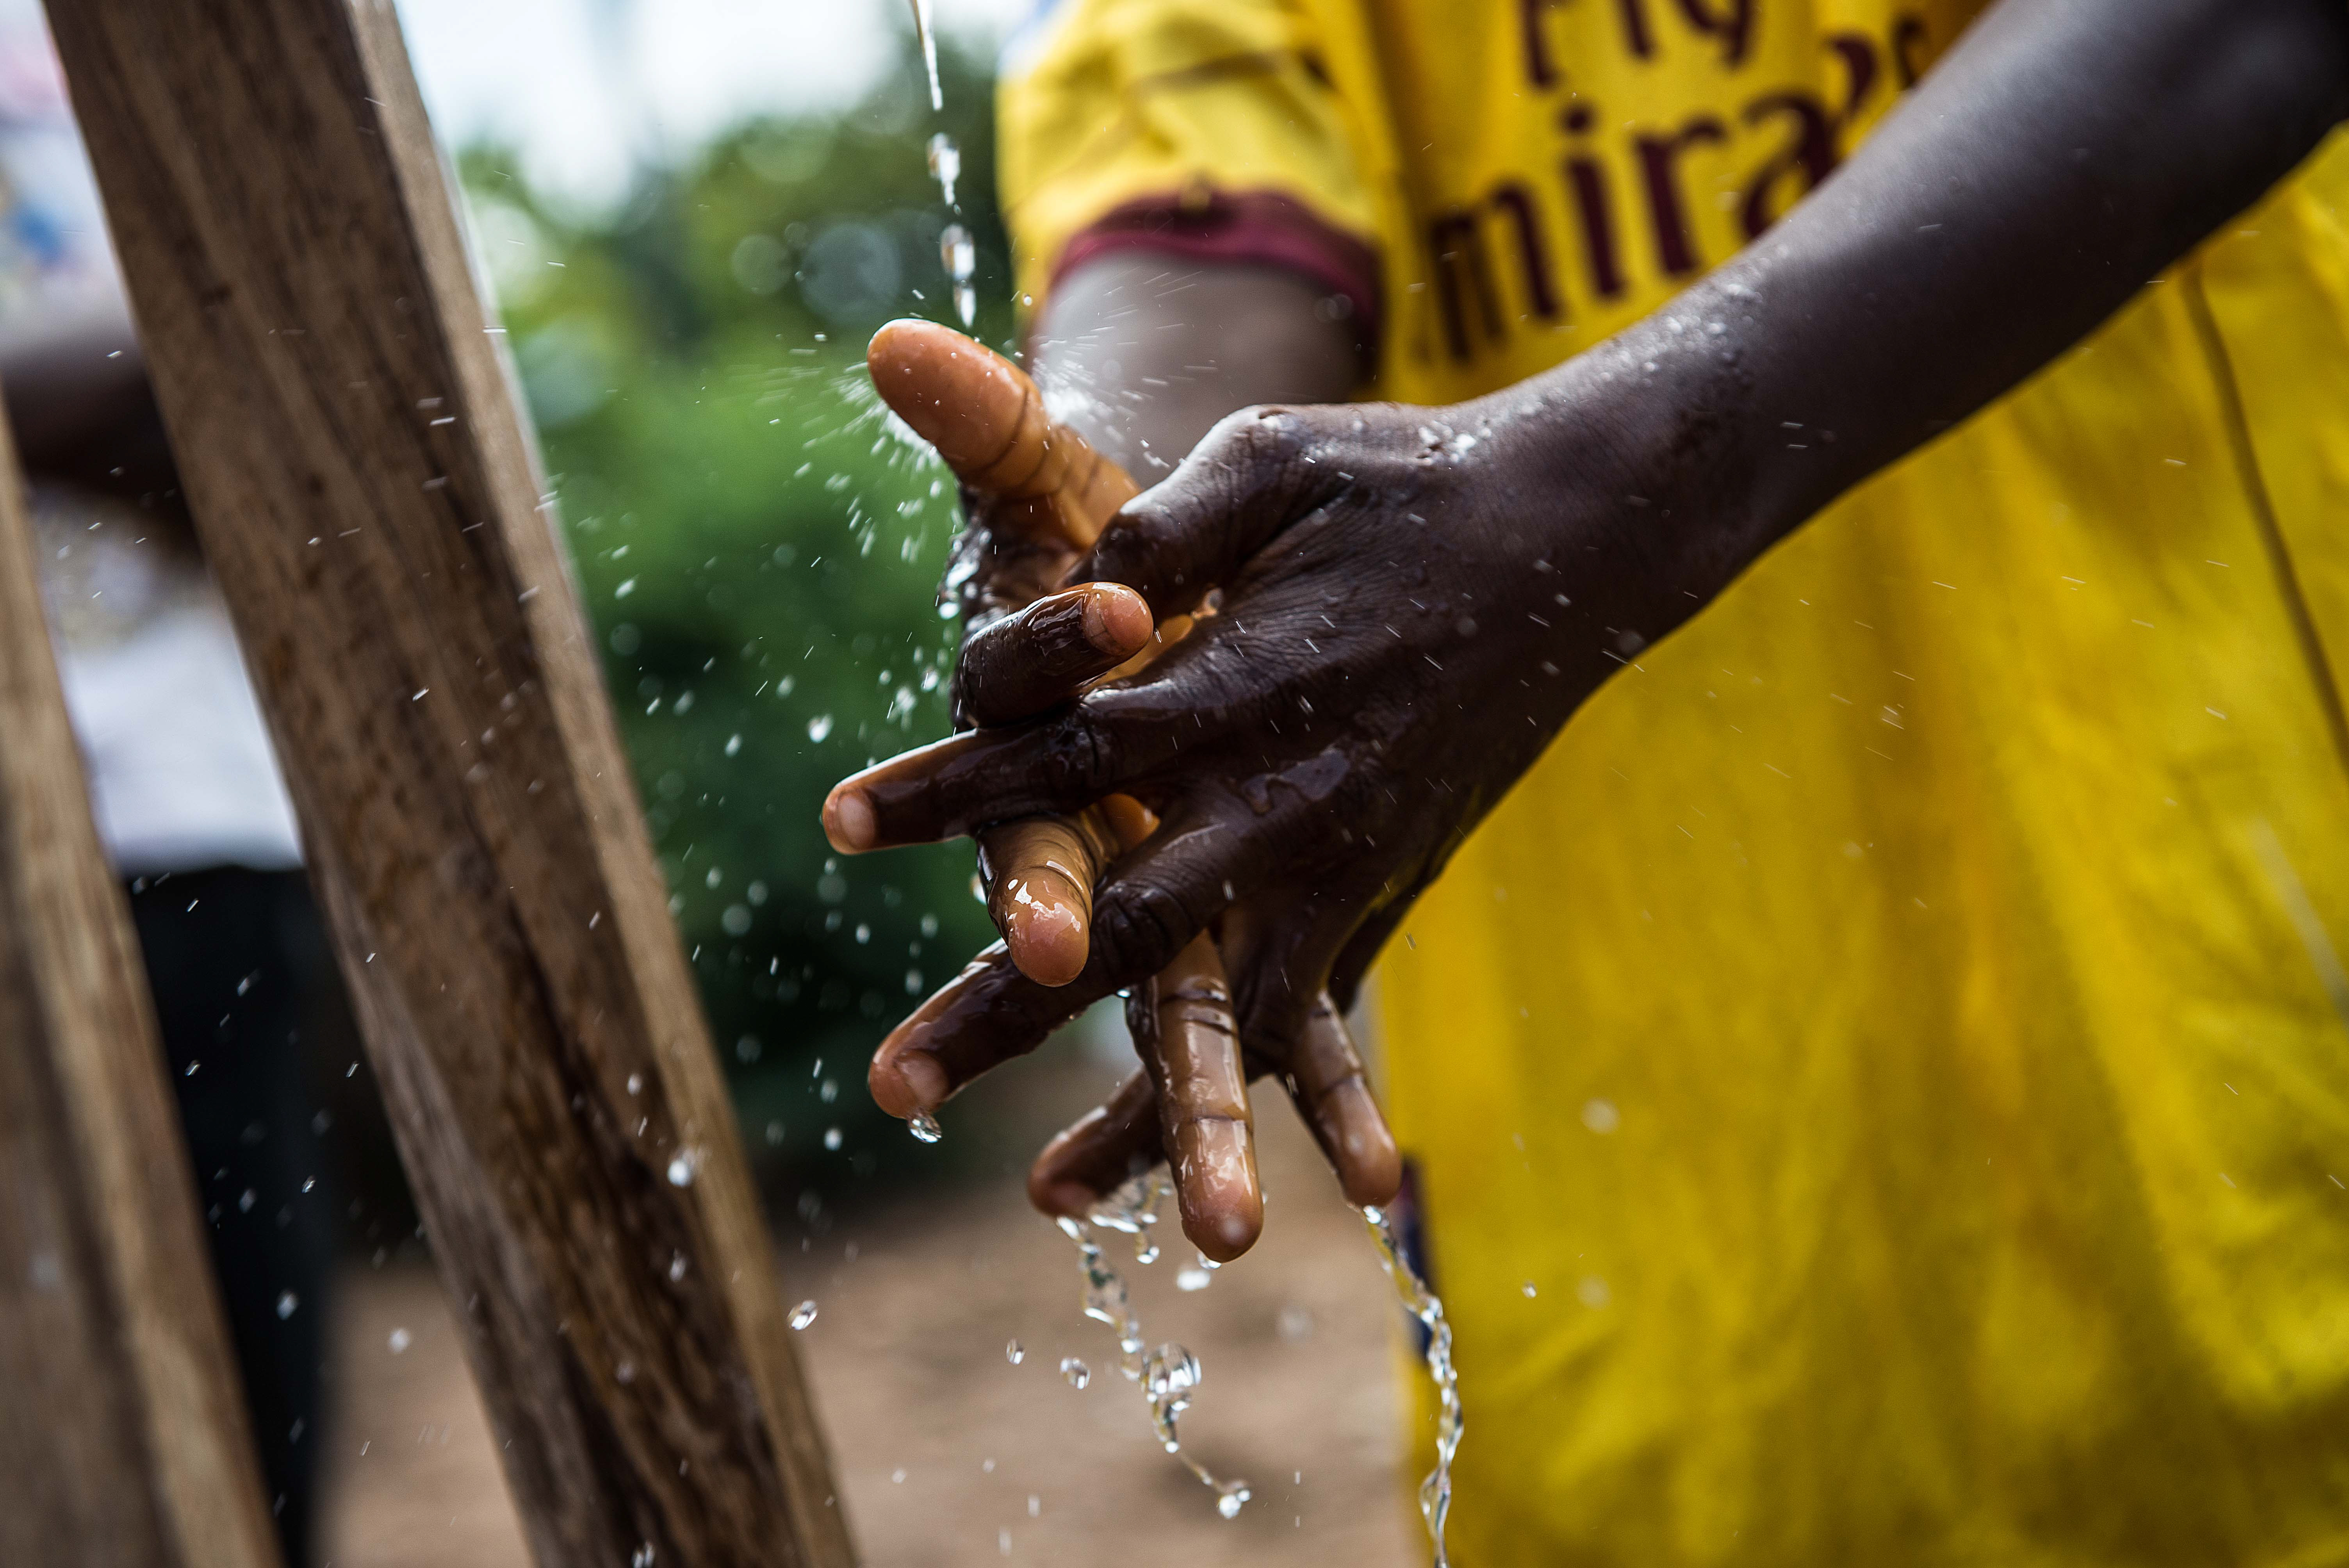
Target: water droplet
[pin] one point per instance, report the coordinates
(819, 727)
(802, 1314)
(925, 1129)
(287, 1304)
(1600, 1116)
(960, 256)
(926, 32)
(1528, 1288)
(1230, 1502)
(828, 1091)
(774, 1134)
(636, 1083)
(946, 164)
(675, 1267)
(733, 745)
(1593, 1293)
(401, 1340)
(680, 1169)
(1035, 1506)
(1015, 1353)
(897, 1476)
(1296, 1323)
(1192, 1279)
(1427, 1307)
(832, 1138)
(1075, 1371)
(643, 1558)
(625, 1372)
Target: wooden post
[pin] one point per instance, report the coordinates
(338, 399)
(125, 1441)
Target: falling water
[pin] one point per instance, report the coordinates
(929, 41)
(1169, 1375)
(1435, 1491)
(956, 251)
(946, 166)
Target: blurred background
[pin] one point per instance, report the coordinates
(693, 213)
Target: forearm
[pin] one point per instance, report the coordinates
(2060, 157)
(1142, 354)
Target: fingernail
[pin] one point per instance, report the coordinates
(1116, 620)
(848, 820)
(904, 1083)
(1047, 939)
(924, 1078)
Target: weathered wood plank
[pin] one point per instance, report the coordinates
(339, 403)
(124, 1443)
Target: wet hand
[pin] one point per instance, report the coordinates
(1413, 603)
(1035, 492)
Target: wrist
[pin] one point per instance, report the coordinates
(1654, 449)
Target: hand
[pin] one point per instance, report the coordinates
(1035, 492)
(1413, 602)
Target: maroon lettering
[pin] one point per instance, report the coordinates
(1667, 209)
(1533, 256)
(1733, 24)
(1456, 241)
(1909, 49)
(1859, 56)
(1809, 152)
(1594, 210)
(1540, 70)
(1637, 38)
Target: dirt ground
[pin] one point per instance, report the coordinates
(949, 1453)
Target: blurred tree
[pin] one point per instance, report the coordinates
(758, 543)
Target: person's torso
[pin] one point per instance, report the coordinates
(1880, 1081)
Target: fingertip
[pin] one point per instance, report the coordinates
(848, 819)
(1047, 941)
(904, 1082)
(1225, 1235)
(1060, 1200)
(1216, 1188)
(1369, 1165)
(1117, 621)
(1372, 1178)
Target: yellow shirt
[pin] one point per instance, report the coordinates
(1895, 1031)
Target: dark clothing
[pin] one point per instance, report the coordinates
(233, 958)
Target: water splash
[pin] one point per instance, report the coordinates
(927, 33)
(960, 256)
(1169, 1375)
(802, 1314)
(1424, 1305)
(946, 166)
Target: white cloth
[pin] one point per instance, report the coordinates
(181, 775)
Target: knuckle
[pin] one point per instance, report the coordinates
(1079, 760)
(1137, 931)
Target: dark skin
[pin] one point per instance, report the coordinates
(1416, 600)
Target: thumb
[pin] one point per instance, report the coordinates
(1246, 482)
(987, 421)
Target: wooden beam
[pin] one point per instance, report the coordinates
(340, 401)
(125, 1440)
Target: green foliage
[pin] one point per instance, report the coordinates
(759, 544)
